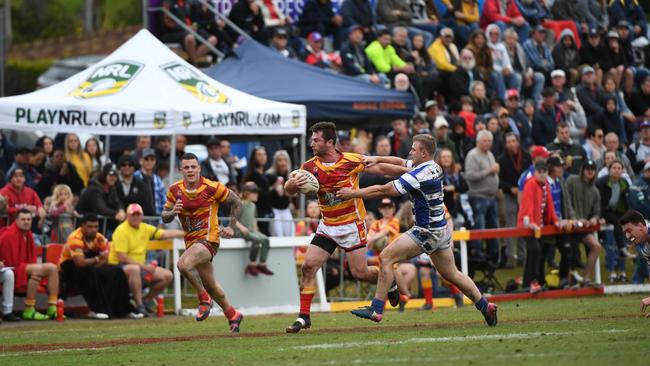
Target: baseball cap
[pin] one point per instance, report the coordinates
(109, 169)
(134, 209)
(250, 187)
(589, 164)
(280, 32)
(148, 152)
(593, 31)
(512, 93)
(539, 151)
(213, 142)
(386, 202)
(429, 104)
(644, 124)
(126, 159)
(314, 37)
(440, 122)
(541, 165)
(539, 28)
(558, 72)
(587, 69)
(555, 161)
(354, 27)
(622, 24)
(612, 34)
(548, 92)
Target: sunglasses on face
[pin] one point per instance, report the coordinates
(126, 164)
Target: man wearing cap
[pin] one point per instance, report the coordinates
(546, 117)
(22, 158)
(129, 248)
(639, 152)
(445, 56)
(590, 94)
(279, 43)
(130, 189)
(356, 63)
(19, 197)
(538, 154)
(101, 196)
(571, 151)
(519, 117)
(538, 53)
(558, 83)
(313, 53)
(319, 16)
(151, 180)
(441, 130)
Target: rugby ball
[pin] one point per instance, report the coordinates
(312, 181)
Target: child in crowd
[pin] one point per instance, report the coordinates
(247, 229)
(60, 207)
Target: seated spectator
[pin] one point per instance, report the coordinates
(361, 13)
(246, 14)
(441, 134)
(612, 143)
(356, 63)
(84, 266)
(626, 117)
(384, 230)
(463, 17)
(573, 115)
(537, 13)
(531, 80)
(480, 101)
(636, 51)
(129, 249)
(594, 147)
(279, 42)
(20, 197)
(608, 158)
(22, 158)
(572, 152)
(425, 69)
(632, 12)
(586, 13)
(211, 26)
(446, 59)
(536, 195)
(466, 112)
(131, 189)
(461, 79)
(483, 55)
(98, 159)
(383, 56)
(459, 137)
(79, 158)
(590, 94)
(501, 63)
(617, 64)
(400, 138)
(59, 171)
(497, 141)
(273, 17)
(593, 53)
(546, 118)
(37, 162)
(426, 17)
(610, 119)
(47, 144)
(382, 148)
(174, 33)
(60, 210)
(392, 13)
(19, 252)
(558, 83)
(538, 54)
(423, 84)
(7, 280)
(154, 183)
(639, 100)
(566, 56)
(248, 230)
(277, 174)
(504, 13)
(313, 54)
(318, 16)
(101, 196)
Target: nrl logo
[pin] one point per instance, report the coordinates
(194, 83)
(107, 79)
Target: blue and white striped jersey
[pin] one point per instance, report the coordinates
(424, 183)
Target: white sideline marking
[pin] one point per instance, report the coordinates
(449, 339)
(29, 353)
(407, 360)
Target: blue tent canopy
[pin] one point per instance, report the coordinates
(260, 71)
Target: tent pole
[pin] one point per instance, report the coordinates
(172, 160)
(107, 148)
(303, 157)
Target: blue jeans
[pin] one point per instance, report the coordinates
(613, 260)
(538, 86)
(641, 272)
(502, 82)
(522, 31)
(385, 81)
(485, 217)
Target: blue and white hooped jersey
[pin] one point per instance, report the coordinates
(424, 183)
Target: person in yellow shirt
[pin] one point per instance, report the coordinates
(129, 248)
(462, 16)
(78, 158)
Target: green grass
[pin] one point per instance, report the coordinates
(586, 331)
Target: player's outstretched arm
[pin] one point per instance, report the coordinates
(235, 211)
(369, 161)
(387, 169)
(372, 192)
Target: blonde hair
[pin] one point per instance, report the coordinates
(52, 200)
(273, 169)
(79, 153)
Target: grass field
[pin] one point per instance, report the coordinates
(585, 331)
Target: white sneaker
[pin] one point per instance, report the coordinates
(99, 316)
(136, 315)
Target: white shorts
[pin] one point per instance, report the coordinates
(349, 236)
(430, 240)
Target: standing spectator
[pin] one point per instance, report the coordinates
(155, 185)
(482, 176)
(594, 147)
(215, 167)
(631, 11)
(84, 266)
(382, 148)
(501, 63)
(566, 56)
(538, 53)
(247, 228)
(639, 200)
(19, 252)
(318, 16)
(60, 210)
(163, 149)
(593, 53)
(174, 33)
(7, 153)
(463, 17)
(571, 151)
(613, 204)
(453, 182)
(246, 14)
(384, 58)
(129, 247)
(79, 158)
(608, 158)
(130, 189)
(20, 197)
(101, 196)
(256, 165)
(279, 200)
(98, 159)
(141, 143)
(531, 80)
(400, 138)
(355, 61)
(504, 13)
(546, 119)
(279, 42)
(359, 12)
(585, 200)
(514, 161)
(59, 171)
(463, 77)
(232, 161)
(537, 207)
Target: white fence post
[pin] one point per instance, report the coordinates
(463, 255)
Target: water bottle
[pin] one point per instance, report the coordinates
(160, 306)
(148, 277)
(526, 221)
(59, 310)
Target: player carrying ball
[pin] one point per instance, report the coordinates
(342, 223)
(196, 202)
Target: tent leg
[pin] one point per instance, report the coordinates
(107, 148)
(172, 161)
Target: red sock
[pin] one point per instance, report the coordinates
(427, 290)
(204, 296)
(230, 313)
(306, 295)
(454, 290)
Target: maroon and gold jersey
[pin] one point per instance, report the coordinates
(76, 245)
(199, 216)
(331, 178)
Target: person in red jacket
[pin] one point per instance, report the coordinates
(20, 196)
(505, 16)
(536, 210)
(17, 251)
